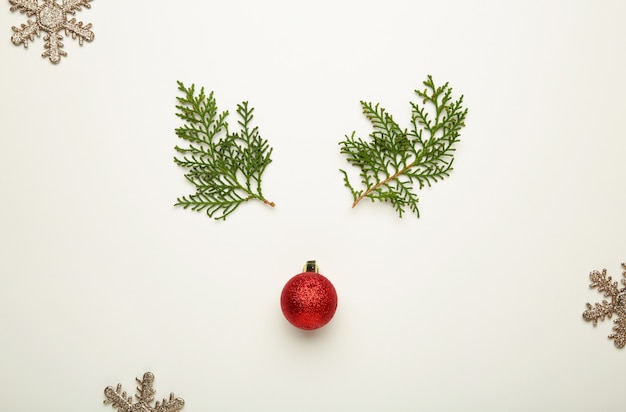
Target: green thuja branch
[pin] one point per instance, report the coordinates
(395, 161)
(225, 167)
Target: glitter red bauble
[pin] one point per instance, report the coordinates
(308, 301)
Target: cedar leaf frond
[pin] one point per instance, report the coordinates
(225, 167)
(395, 162)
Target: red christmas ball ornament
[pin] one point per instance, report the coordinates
(309, 300)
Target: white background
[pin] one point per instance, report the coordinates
(476, 306)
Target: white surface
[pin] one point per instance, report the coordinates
(474, 307)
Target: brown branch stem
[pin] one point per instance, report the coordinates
(381, 183)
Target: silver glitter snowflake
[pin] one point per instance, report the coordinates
(616, 306)
(51, 18)
(145, 396)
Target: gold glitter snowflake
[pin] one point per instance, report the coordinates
(616, 306)
(51, 18)
(145, 396)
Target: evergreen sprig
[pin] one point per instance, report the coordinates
(225, 167)
(394, 161)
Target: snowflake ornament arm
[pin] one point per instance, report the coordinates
(396, 161)
(226, 168)
(26, 32)
(145, 395)
(606, 309)
(28, 7)
(51, 18)
(619, 330)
